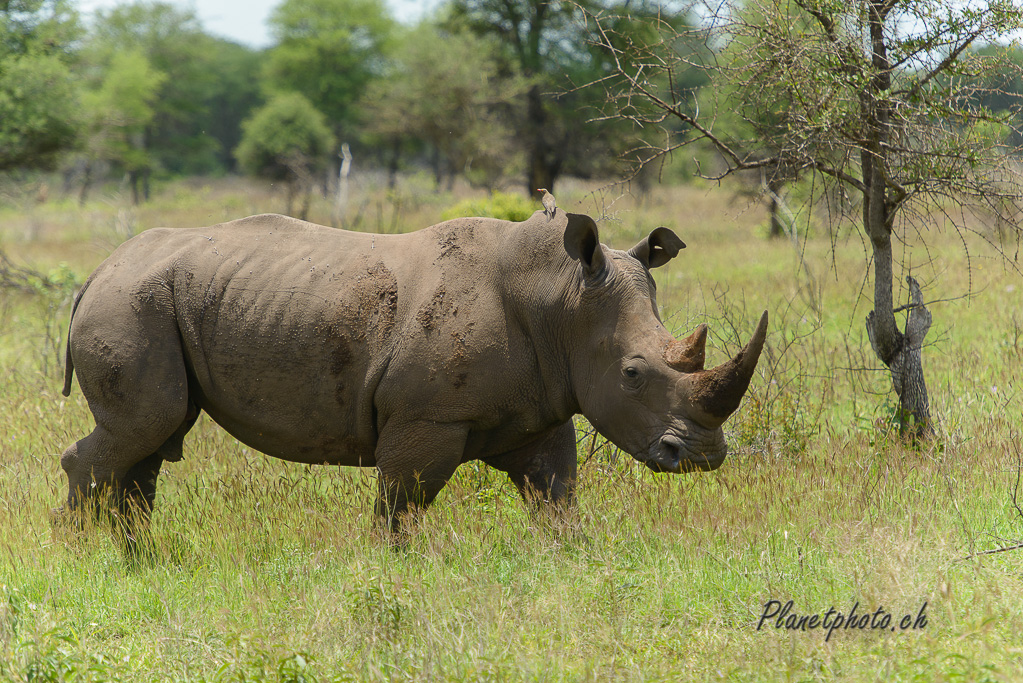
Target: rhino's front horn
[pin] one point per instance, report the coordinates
(716, 393)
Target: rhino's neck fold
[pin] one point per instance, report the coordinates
(540, 287)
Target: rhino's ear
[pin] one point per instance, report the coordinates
(582, 242)
(659, 247)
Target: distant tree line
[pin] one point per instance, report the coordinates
(487, 90)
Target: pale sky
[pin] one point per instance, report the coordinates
(244, 21)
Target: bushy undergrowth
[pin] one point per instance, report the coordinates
(268, 571)
(503, 205)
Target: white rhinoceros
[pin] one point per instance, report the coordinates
(474, 339)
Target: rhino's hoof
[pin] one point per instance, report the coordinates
(64, 519)
(58, 516)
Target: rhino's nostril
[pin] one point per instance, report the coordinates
(671, 448)
(665, 455)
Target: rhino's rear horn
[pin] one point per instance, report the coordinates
(689, 354)
(718, 392)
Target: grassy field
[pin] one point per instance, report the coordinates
(270, 571)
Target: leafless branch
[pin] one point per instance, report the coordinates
(994, 551)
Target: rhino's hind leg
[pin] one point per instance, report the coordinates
(91, 465)
(97, 485)
(119, 462)
(137, 490)
(137, 387)
(139, 483)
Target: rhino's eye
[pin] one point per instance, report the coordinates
(634, 371)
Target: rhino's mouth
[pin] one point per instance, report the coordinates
(696, 450)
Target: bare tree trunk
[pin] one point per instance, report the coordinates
(307, 193)
(436, 166)
(393, 164)
(544, 162)
(901, 353)
(341, 200)
(133, 182)
(291, 191)
(327, 179)
(86, 181)
(774, 186)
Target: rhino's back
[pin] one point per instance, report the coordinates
(285, 327)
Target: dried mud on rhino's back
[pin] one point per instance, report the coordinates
(438, 307)
(450, 240)
(371, 306)
(366, 314)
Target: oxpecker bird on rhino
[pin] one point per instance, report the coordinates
(474, 339)
(550, 204)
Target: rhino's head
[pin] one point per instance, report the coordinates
(644, 390)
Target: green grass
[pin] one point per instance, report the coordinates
(266, 570)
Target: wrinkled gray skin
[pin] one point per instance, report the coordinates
(474, 339)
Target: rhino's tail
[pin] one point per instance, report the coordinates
(69, 365)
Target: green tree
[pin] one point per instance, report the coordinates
(446, 93)
(559, 127)
(1001, 88)
(211, 84)
(286, 140)
(38, 106)
(232, 92)
(539, 37)
(876, 96)
(118, 110)
(749, 127)
(329, 51)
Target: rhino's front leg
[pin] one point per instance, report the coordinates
(544, 471)
(414, 461)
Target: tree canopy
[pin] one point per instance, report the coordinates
(329, 51)
(878, 96)
(446, 94)
(38, 108)
(490, 90)
(118, 109)
(287, 139)
(560, 129)
(210, 84)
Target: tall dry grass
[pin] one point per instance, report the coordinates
(265, 570)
